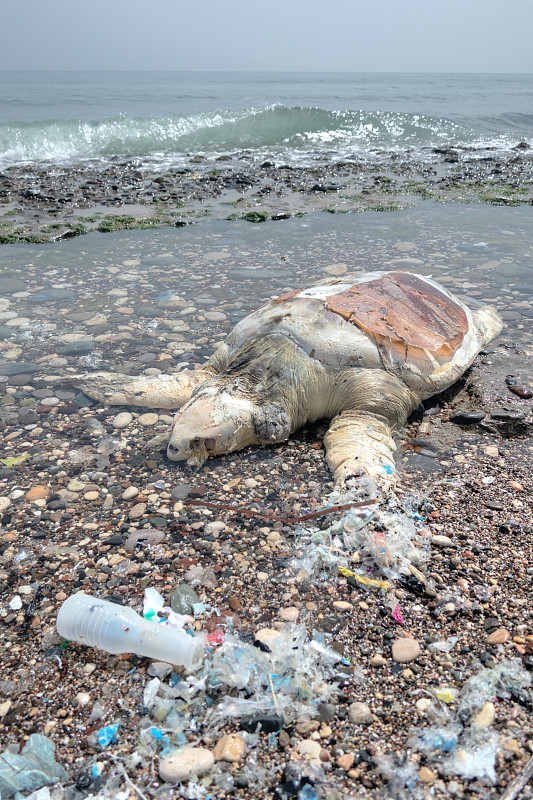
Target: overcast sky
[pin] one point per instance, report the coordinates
(307, 35)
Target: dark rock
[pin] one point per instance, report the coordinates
(465, 417)
(508, 414)
(5, 333)
(268, 723)
(21, 368)
(76, 348)
(10, 285)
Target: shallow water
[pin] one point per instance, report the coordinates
(234, 267)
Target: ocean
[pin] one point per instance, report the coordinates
(301, 118)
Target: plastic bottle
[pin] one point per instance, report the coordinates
(119, 629)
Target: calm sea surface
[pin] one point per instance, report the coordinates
(69, 116)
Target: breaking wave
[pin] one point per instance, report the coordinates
(277, 128)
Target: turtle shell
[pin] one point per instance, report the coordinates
(403, 312)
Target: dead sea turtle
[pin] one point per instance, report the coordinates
(362, 351)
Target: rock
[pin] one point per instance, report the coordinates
(467, 417)
(310, 750)
(183, 599)
(137, 511)
(345, 761)
(426, 775)
(4, 708)
(75, 486)
(82, 698)
(268, 723)
(405, 650)
(441, 541)
(129, 493)
(183, 764)
(143, 537)
(122, 420)
(378, 661)
(230, 748)
(491, 450)
(147, 420)
(37, 493)
(342, 605)
(485, 717)
(5, 502)
(289, 614)
(498, 636)
(359, 714)
(91, 496)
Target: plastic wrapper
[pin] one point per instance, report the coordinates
(402, 777)
(507, 678)
(31, 769)
(295, 676)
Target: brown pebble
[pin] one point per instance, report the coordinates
(521, 391)
(37, 493)
(426, 775)
(235, 604)
(345, 761)
(498, 636)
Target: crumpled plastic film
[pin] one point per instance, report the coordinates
(31, 769)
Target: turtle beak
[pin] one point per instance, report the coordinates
(211, 424)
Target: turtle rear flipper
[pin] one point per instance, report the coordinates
(359, 444)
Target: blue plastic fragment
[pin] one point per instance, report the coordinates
(174, 680)
(307, 792)
(107, 735)
(95, 771)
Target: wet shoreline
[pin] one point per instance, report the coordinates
(50, 202)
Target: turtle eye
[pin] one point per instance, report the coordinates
(210, 443)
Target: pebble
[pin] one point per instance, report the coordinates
(145, 536)
(5, 502)
(183, 764)
(405, 650)
(130, 493)
(147, 420)
(230, 748)
(122, 420)
(360, 714)
(498, 636)
(310, 750)
(289, 614)
(378, 661)
(485, 717)
(342, 605)
(82, 698)
(183, 599)
(75, 486)
(137, 511)
(37, 493)
(345, 761)
(426, 775)
(441, 541)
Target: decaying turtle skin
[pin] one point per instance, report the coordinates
(362, 351)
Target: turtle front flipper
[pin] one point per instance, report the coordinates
(159, 391)
(358, 444)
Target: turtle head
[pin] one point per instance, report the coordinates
(220, 418)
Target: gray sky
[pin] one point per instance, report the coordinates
(335, 35)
